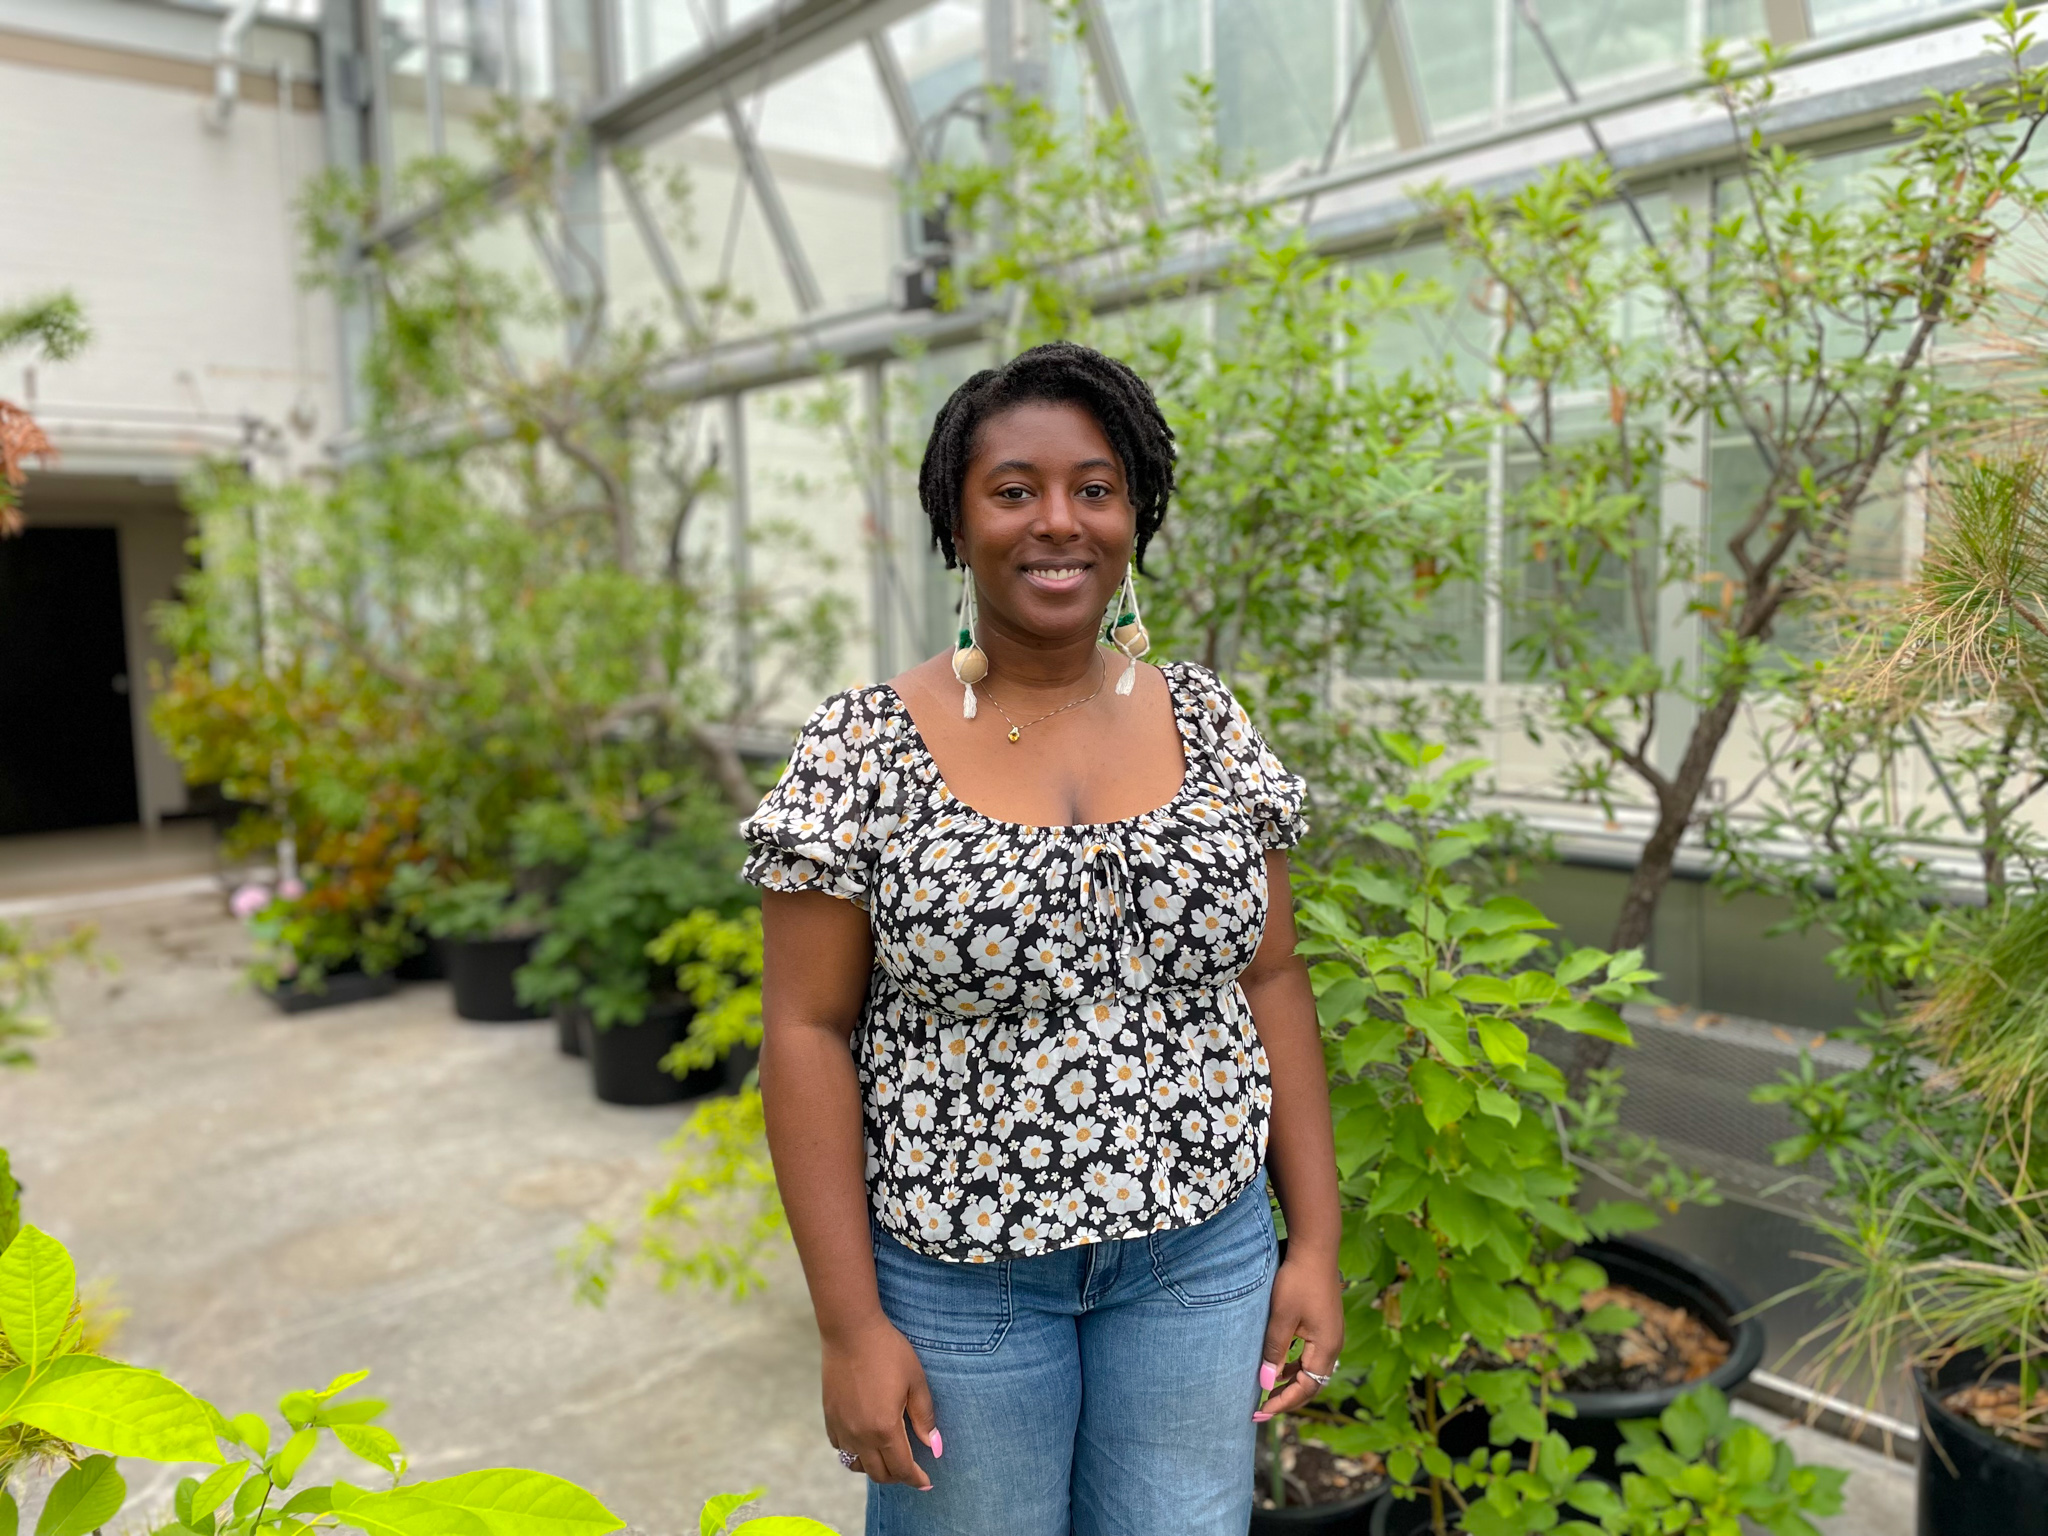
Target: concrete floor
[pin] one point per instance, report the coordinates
(383, 1186)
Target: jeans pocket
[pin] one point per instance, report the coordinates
(1226, 1257)
(962, 1309)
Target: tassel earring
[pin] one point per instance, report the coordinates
(970, 662)
(1127, 632)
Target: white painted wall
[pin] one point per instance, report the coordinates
(179, 241)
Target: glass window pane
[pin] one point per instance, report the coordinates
(1736, 20)
(1160, 45)
(1832, 16)
(832, 147)
(402, 37)
(475, 73)
(1452, 45)
(1276, 79)
(941, 51)
(1598, 41)
(654, 32)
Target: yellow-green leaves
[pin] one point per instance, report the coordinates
(84, 1499)
(711, 1520)
(501, 1501)
(38, 1289)
(112, 1407)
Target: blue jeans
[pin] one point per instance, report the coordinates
(1105, 1390)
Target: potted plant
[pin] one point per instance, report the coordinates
(321, 944)
(485, 931)
(1472, 1292)
(594, 955)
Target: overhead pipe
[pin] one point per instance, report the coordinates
(227, 63)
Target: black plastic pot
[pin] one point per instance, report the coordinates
(340, 987)
(482, 972)
(1348, 1517)
(570, 1022)
(428, 963)
(1663, 1275)
(625, 1059)
(1971, 1482)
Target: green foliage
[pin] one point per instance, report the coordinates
(720, 1211)
(595, 953)
(56, 1399)
(1797, 317)
(718, 1510)
(503, 599)
(28, 969)
(717, 963)
(56, 327)
(1699, 1468)
(1457, 1179)
(465, 909)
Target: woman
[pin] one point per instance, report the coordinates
(1035, 1031)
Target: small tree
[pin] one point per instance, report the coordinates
(1802, 322)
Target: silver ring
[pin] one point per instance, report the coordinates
(1320, 1381)
(849, 1460)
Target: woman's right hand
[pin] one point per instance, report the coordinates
(873, 1381)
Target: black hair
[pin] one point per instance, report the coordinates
(1058, 373)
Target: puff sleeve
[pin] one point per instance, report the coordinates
(1272, 798)
(812, 831)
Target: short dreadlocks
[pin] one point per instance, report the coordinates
(1058, 373)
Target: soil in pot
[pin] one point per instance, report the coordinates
(1977, 1473)
(625, 1059)
(1326, 1493)
(481, 970)
(1640, 1373)
(339, 987)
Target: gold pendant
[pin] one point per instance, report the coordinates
(1015, 733)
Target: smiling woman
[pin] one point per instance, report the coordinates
(1035, 1034)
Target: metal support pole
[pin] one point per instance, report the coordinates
(739, 551)
(803, 283)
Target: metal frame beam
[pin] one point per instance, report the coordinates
(895, 86)
(796, 265)
(768, 46)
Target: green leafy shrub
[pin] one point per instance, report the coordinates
(1458, 1182)
(27, 983)
(633, 885)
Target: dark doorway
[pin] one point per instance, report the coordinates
(67, 751)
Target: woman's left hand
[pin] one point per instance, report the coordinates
(1307, 1304)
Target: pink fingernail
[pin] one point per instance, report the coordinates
(937, 1444)
(1260, 1418)
(1268, 1374)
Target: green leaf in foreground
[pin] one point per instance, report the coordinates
(37, 1288)
(117, 1408)
(511, 1502)
(84, 1499)
(718, 1509)
(10, 1514)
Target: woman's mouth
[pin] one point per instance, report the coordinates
(1056, 578)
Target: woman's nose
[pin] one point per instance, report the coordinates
(1058, 517)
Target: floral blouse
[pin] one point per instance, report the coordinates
(1054, 1049)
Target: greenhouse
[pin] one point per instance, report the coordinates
(1533, 947)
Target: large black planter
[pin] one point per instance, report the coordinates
(625, 1059)
(337, 989)
(482, 972)
(1347, 1517)
(1971, 1482)
(1666, 1276)
(571, 1020)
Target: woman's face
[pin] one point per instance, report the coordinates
(1046, 520)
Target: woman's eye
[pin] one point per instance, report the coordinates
(1012, 493)
(1095, 492)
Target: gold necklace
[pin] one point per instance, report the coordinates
(1017, 731)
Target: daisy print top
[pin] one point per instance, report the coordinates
(1054, 1049)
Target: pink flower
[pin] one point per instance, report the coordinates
(248, 900)
(290, 889)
